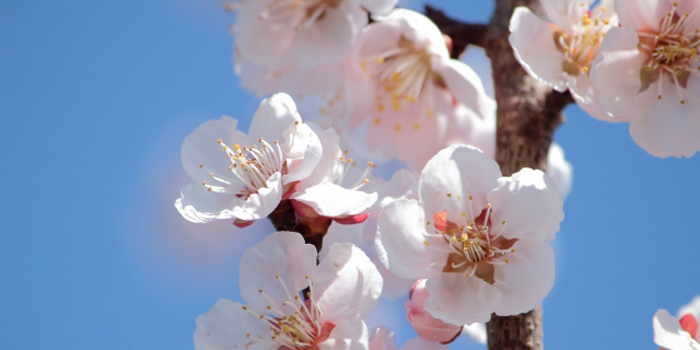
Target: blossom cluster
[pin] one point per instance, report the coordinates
(633, 61)
(448, 229)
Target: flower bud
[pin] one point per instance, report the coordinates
(427, 326)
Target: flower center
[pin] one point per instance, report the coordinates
(346, 163)
(296, 328)
(474, 245)
(250, 168)
(671, 50)
(581, 49)
(403, 74)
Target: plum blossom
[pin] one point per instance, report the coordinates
(649, 65)
(330, 192)
(340, 292)
(477, 237)
(674, 334)
(560, 54)
(277, 41)
(244, 177)
(403, 87)
(402, 185)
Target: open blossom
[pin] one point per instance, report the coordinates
(244, 177)
(277, 38)
(425, 325)
(331, 191)
(404, 88)
(478, 238)
(402, 185)
(650, 65)
(560, 54)
(680, 333)
(342, 290)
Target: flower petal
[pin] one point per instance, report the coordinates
(668, 333)
(347, 284)
(616, 70)
(454, 174)
(281, 260)
(559, 169)
(645, 14)
(526, 279)
(198, 205)
(532, 40)
(422, 344)
(333, 201)
(530, 204)
(226, 326)
(347, 335)
(273, 119)
(259, 205)
(565, 13)
(382, 338)
(465, 85)
(400, 241)
(457, 299)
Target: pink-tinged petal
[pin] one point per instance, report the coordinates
(476, 331)
(530, 204)
(352, 220)
(281, 260)
(532, 40)
(465, 85)
(401, 242)
(667, 128)
(347, 335)
(303, 153)
(333, 201)
(422, 344)
(259, 205)
(559, 169)
(669, 334)
(242, 223)
(346, 285)
(198, 205)
(227, 325)
(290, 189)
(469, 128)
(455, 174)
(616, 70)
(566, 13)
(382, 338)
(378, 7)
(457, 299)
(689, 324)
(265, 41)
(273, 119)
(526, 279)
(692, 308)
(583, 91)
(330, 38)
(425, 325)
(202, 155)
(642, 14)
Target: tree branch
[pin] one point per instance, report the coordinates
(284, 218)
(528, 114)
(462, 34)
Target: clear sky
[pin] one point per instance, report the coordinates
(95, 100)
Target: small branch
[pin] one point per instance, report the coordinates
(285, 218)
(462, 34)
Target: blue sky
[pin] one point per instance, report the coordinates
(95, 100)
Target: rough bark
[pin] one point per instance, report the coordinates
(527, 116)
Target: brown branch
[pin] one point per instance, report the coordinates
(527, 116)
(462, 34)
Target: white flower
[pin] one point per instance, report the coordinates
(405, 88)
(282, 36)
(649, 65)
(478, 238)
(560, 54)
(342, 290)
(673, 334)
(402, 185)
(328, 191)
(244, 177)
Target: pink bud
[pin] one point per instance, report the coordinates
(427, 326)
(689, 324)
